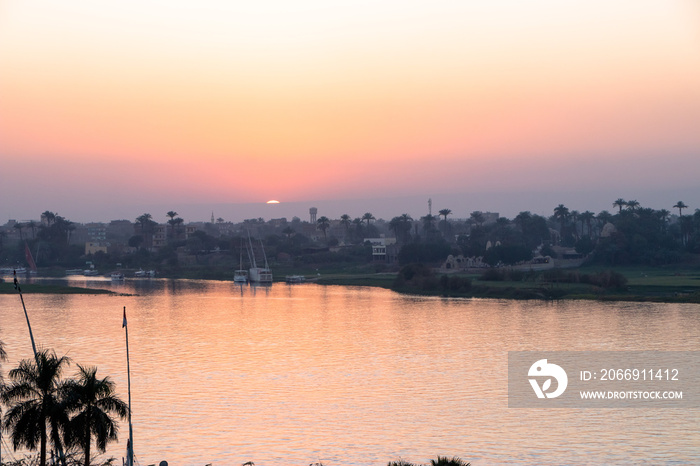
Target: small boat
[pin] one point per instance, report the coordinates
(74, 272)
(240, 276)
(90, 272)
(145, 273)
(117, 277)
(295, 279)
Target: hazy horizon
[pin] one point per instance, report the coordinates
(110, 110)
(506, 204)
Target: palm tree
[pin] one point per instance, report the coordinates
(562, 213)
(587, 217)
(663, 216)
(574, 214)
(36, 404)
(604, 216)
(19, 226)
(445, 226)
(367, 216)
(94, 403)
(172, 214)
(49, 216)
(445, 213)
(632, 205)
(32, 226)
(146, 224)
(3, 357)
(345, 221)
(477, 217)
(323, 223)
(680, 205)
(445, 461)
(174, 224)
(620, 203)
(428, 224)
(142, 221)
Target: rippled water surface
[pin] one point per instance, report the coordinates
(292, 375)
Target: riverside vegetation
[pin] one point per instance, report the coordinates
(633, 253)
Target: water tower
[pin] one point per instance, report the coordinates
(312, 213)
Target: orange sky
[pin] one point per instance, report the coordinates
(227, 102)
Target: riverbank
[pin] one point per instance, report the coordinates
(643, 284)
(9, 288)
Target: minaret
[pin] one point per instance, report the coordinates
(312, 213)
(212, 216)
(430, 206)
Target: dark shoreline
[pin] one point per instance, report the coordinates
(657, 285)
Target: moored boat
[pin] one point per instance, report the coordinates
(240, 276)
(258, 274)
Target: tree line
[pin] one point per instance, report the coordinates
(637, 235)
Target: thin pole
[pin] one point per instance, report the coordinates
(130, 446)
(59, 447)
(29, 326)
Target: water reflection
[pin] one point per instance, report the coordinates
(282, 375)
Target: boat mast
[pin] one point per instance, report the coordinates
(31, 335)
(264, 255)
(252, 252)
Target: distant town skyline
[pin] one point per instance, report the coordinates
(109, 110)
(505, 204)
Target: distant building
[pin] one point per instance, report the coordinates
(92, 247)
(384, 250)
(120, 230)
(96, 231)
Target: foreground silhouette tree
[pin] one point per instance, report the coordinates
(94, 403)
(36, 404)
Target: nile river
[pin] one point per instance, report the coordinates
(293, 375)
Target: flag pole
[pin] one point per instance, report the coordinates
(130, 444)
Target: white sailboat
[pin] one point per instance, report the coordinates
(240, 276)
(258, 274)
